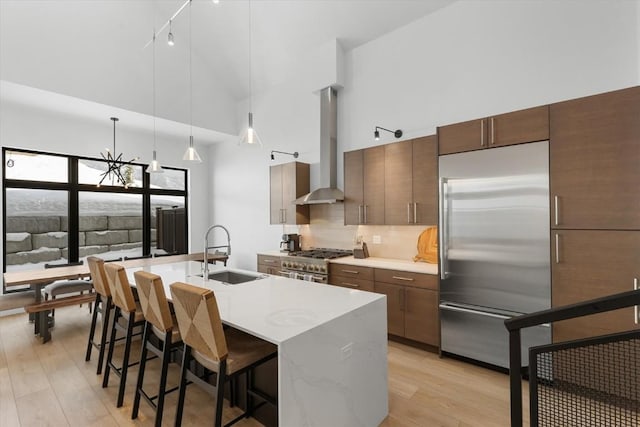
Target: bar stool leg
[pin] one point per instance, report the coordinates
(92, 331)
(107, 369)
(186, 357)
(221, 376)
(166, 355)
(125, 361)
(143, 364)
(106, 313)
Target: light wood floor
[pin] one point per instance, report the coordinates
(51, 384)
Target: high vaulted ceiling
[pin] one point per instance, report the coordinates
(95, 49)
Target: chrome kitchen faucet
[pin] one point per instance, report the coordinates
(205, 275)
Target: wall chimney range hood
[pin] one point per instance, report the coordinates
(328, 191)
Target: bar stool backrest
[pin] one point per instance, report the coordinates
(98, 276)
(153, 300)
(199, 320)
(121, 292)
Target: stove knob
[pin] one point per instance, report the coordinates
(323, 269)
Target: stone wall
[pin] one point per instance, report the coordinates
(35, 239)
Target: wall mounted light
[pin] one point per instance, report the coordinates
(397, 133)
(170, 41)
(295, 154)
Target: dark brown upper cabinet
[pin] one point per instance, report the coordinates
(411, 182)
(364, 186)
(288, 182)
(517, 127)
(594, 162)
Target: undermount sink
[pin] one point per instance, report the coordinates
(233, 277)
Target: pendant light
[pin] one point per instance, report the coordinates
(250, 137)
(154, 167)
(191, 155)
(114, 173)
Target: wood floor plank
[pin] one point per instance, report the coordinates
(424, 389)
(8, 409)
(40, 408)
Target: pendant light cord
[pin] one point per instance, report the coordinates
(250, 65)
(154, 85)
(190, 74)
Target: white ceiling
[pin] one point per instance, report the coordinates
(94, 49)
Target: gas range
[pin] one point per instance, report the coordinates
(311, 265)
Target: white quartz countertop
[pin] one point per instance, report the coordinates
(273, 308)
(273, 253)
(389, 263)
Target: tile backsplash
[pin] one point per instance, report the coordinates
(327, 230)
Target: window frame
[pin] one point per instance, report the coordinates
(74, 188)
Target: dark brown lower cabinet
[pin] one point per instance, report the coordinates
(421, 315)
(395, 306)
(411, 312)
(269, 264)
(589, 264)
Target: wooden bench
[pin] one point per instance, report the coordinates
(43, 309)
(15, 300)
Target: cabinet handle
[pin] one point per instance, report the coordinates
(351, 271)
(635, 307)
(493, 132)
(482, 133)
(268, 261)
(408, 279)
(365, 214)
(409, 213)
(555, 209)
(557, 248)
(401, 298)
(353, 285)
(415, 212)
(284, 216)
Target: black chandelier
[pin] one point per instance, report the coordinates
(115, 164)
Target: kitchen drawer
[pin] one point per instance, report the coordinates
(351, 271)
(407, 278)
(269, 260)
(352, 282)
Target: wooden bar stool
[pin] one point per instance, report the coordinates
(226, 353)
(103, 304)
(162, 324)
(127, 310)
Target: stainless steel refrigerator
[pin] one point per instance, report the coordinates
(494, 248)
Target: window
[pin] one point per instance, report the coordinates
(54, 211)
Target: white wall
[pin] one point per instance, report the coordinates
(23, 126)
(469, 60)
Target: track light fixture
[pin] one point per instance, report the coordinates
(397, 133)
(170, 41)
(295, 154)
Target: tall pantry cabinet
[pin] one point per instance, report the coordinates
(595, 206)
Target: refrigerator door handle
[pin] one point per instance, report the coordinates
(450, 307)
(464, 309)
(444, 265)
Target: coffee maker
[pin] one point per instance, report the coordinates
(290, 243)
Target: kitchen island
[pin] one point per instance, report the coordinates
(332, 342)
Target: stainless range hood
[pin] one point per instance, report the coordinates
(328, 191)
